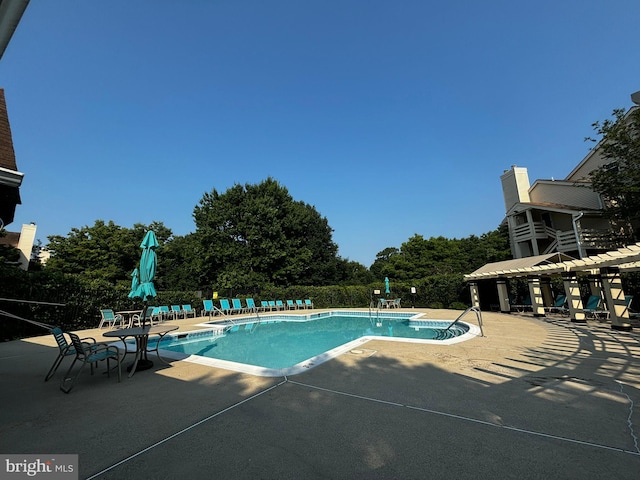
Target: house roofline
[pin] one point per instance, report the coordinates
(521, 207)
(595, 149)
(11, 178)
(10, 15)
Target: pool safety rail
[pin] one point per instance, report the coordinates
(478, 313)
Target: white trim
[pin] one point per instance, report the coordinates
(11, 178)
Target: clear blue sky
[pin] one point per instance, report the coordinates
(392, 118)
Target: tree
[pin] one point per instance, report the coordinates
(257, 235)
(383, 257)
(8, 253)
(618, 180)
(103, 251)
(178, 264)
(420, 258)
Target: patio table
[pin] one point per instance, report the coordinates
(141, 335)
(128, 315)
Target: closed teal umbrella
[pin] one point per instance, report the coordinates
(135, 284)
(387, 290)
(145, 290)
(142, 287)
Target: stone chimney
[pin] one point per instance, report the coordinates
(515, 186)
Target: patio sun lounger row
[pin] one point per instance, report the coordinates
(593, 307)
(153, 315)
(233, 306)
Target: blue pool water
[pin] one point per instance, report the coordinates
(287, 344)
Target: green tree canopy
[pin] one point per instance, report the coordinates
(103, 251)
(618, 180)
(419, 258)
(8, 253)
(257, 235)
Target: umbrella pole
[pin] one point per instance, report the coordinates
(143, 363)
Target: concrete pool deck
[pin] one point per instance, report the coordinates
(534, 398)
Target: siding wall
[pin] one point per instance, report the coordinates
(564, 193)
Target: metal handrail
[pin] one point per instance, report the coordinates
(478, 313)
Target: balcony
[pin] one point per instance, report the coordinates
(590, 239)
(528, 231)
(565, 241)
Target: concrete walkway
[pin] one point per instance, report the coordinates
(535, 398)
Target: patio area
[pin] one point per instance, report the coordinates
(534, 398)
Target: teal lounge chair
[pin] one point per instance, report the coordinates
(251, 305)
(627, 304)
(225, 306)
(524, 305)
(308, 303)
(299, 304)
(188, 311)
(279, 305)
(237, 306)
(111, 319)
(272, 305)
(153, 314)
(265, 306)
(558, 306)
(291, 305)
(592, 307)
(176, 311)
(165, 313)
(208, 308)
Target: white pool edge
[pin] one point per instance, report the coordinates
(305, 365)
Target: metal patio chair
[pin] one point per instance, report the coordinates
(65, 349)
(91, 354)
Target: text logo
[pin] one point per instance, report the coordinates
(49, 467)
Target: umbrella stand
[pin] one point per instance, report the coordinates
(143, 362)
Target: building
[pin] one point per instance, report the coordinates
(558, 216)
(23, 241)
(557, 228)
(10, 177)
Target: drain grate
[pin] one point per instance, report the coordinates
(363, 352)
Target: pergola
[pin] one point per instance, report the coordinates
(604, 278)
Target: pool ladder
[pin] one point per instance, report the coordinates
(478, 313)
(376, 311)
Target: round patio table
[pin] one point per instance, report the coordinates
(141, 336)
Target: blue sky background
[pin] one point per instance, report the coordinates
(390, 117)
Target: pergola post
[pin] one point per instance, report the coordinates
(572, 291)
(503, 295)
(595, 284)
(535, 293)
(614, 298)
(547, 294)
(475, 296)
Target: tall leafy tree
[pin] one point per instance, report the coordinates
(256, 235)
(178, 263)
(420, 258)
(103, 251)
(618, 180)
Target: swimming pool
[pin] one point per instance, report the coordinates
(278, 345)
